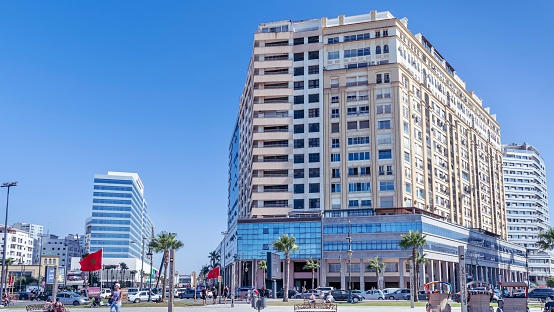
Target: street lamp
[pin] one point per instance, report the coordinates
(149, 255)
(222, 259)
(3, 281)
(349, 252)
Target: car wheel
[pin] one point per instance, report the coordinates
(137, 300)
(180, 296)
(380, 298)
(391, 298)
(76, 303)
(355, 300)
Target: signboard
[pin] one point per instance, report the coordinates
(49, 275)
(94, 292)
(61, 275)
(273, 266)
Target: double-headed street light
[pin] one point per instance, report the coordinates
(3, 281)
(349, 252)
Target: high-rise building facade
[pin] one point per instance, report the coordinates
(527, 205)
(19, 245)
(357, 118)
(34, 230)
(119, 224)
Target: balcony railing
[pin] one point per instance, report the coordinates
(277, 115)
(276, 205)
(272, 160)
(275, 145)
(351, 83)
(274, 130)
(334, 85)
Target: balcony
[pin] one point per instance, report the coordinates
(334, 85)
(286, 63)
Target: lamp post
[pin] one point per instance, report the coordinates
(149, 255)
(142, 263)
(527, 265)
(222, 259)
(3, 280)
(349, 252)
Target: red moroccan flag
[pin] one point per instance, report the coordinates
(214, 273)
(92, 262)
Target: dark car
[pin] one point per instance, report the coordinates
(421, 296)
(542, 293)
(292, 293)
(26, 295)
(342, 295)
(189, 294)
(44, 296)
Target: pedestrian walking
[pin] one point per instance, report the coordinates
(214, 294)
(248, 296)
(116, 299)
(204, 295)
(225, 294)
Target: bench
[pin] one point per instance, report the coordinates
(42, 307)
(315, 307)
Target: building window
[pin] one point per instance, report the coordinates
(335, 113)
(299, 158)
(386, 186)
(384, 109)
(335, 173)
(313, 98)
(385, 154)
(335, 143)
(407, 156)
(334, 98)
(383, 124)
(335, 127)
(386, 77)
(378, 50)
(313, 157)
(298, 41)
(358, 156)
(333, 55)
(409, 188)
(356, 52)
(364, 124)
(298, 128)
(386, 202)
(353, 203)
(313, 84)
(298, 204)
(314, 203)
(313, 112)
(333, 40)
(298, 173)
(379, 78)
(298, 99)
(385, 49)
(358, 140)
(299, 71)
(335, 188)
(314, 187)
(299, 189)
(299, 85)
(313, 55)
(299, 143)
(365, 171)
(313, 39)
(313, 142)
(359, 187)
(335, 157)
(299, 114)
(313, 70)
(298, 57)
(366, 203)
(352, 125)
(313, 173)
(314, 127)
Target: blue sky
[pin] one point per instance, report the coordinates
(153, 87)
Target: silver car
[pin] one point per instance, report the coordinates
(373, 294)
(71, 298)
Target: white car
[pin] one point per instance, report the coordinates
(70, 298)
(387, 291)
(143, 296)
(105, 293)
(374, 294)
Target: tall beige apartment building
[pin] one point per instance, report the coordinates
(359, 113)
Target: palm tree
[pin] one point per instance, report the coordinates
(123, 267)
(214, 259)
(312, 265)
(379, 267)
(286, 244)
(262, 265)
(546, 239)
(163, 243)
(133, 273)
(413, 240)
(420, 259)
(204, 271)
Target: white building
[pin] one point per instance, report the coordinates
(34, 230)
(527, 205)
(19, 247)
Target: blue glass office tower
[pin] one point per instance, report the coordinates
(119, 221)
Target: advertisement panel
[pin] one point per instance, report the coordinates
(273, 266)
(49, 275)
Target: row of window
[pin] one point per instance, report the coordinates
(312, 70)
(334, 55)
(358, 37)
(383, 154)
(312, 113)
(359, 187)
(312, 98)
(362, 124)
(312, 55)
(312, 84)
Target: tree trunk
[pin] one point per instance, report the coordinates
(377, 276)
(166, 256)
(286, 293)
(313, 278)
(414, 267)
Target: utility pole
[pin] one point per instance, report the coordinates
(172, 284)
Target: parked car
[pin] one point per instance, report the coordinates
(27, 295)
(241, 292)
(292, 293)
(373, 294)
(308, 294)
(342, 295)
(542, 293)
(70, 298)
(44, 296)
(421, 296)
(105, 293)
(387, 291)
(189, 294)
(132, 290)
(398, 294)
(325, 290)
(143, 296)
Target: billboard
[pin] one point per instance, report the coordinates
(273, 266)
(49, 275)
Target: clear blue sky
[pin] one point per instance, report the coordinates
(153, 87)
